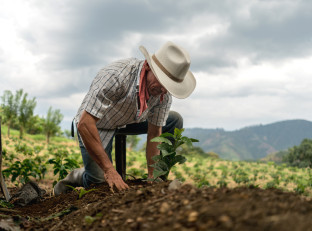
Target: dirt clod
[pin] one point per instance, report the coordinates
(192, 217)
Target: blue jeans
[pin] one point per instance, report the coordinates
(94, 174)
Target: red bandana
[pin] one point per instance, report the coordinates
(143, 93)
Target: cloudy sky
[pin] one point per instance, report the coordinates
(251, 58)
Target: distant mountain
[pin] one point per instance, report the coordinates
(254, 142)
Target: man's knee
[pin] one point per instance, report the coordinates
(174, 120)
(177, 119)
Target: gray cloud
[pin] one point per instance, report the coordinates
(71, 40)
(93, 30)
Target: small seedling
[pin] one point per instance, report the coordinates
(89, 220)
(5, 204)
(168, 156)
(62, 163)
(81, 192)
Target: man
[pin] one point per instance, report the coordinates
(128, 97)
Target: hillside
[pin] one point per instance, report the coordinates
(254, 142)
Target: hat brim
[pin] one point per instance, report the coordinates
(179, 90)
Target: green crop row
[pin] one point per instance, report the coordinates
(207, 171)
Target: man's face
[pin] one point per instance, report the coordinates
(154, 87)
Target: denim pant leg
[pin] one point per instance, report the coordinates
(93, 174)
(174, 120)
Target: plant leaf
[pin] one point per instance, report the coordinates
(161, 165)
(162, 140)
(165, 147)
(73, 188)
(156, 158)
(179, 159)
(178, 132)
(194, 140)
(187, 141)
(157, 173)
(167, 134)
(168, 154)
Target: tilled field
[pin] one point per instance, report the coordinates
(155, 207)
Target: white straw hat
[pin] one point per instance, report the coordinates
(170, 64)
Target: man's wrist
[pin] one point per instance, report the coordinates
(108, 169)
(150, 173)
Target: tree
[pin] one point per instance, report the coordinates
(37, 124)
(51, 124)
(300, 156)
(10, 105)
(67, 134)
(25, 112)
(132, 141)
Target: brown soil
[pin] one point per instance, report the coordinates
(154, 207)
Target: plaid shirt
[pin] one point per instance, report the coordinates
(112, 98)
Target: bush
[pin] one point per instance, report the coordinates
(300, 156)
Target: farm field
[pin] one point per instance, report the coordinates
(215, 194)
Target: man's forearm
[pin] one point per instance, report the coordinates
(91, 139)
(151, 150)
(151, 147)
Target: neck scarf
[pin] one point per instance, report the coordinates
(143, 93)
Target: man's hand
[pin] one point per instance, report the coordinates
(114, 179)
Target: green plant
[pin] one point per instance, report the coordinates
(38, 149)
(23, 148)
(89, 220)
(186, 169)
(179, 175)
(300, 188)
(276, 178)
(222, 183)
(255, 174)
(214, 173)
(23, 170)
(202, 182)
(168, 156)
(81, 192)
(5, 204)
(240, 176)
(270, 185)
(62, 163)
